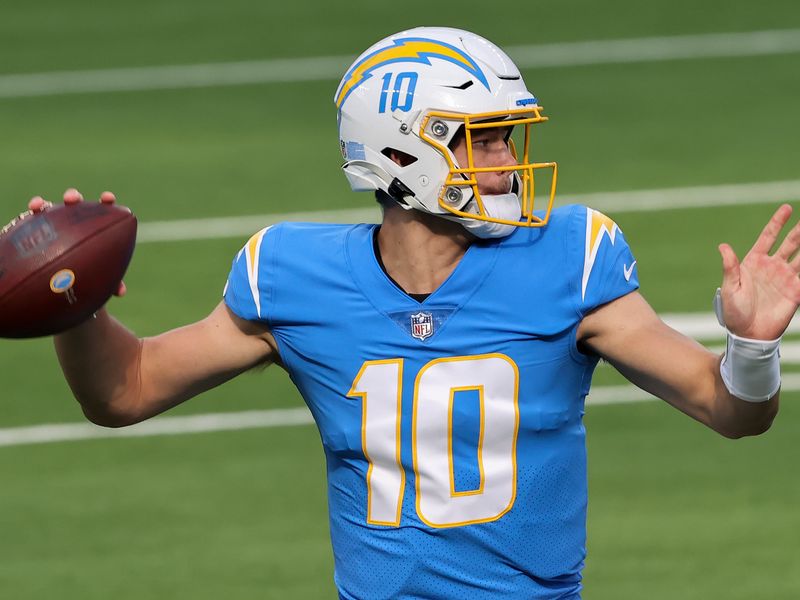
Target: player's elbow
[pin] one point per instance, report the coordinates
(737, 434)
(113, 419)
(751, 427)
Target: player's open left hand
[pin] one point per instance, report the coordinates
(73, 196)
(761, 294)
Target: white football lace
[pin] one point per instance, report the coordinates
(16, 220)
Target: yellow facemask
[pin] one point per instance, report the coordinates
(463, 177)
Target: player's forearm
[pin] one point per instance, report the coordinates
(736, 418)
(700, 392)
(682, 372)
(101, 362)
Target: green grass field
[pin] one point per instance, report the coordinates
(675, 511)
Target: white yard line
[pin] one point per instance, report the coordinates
(63, 432)
(226, 227)
(626, 394)
(773, 192)
(704, 326)
(654, 49)
(330, 68)
(259, 419)
(701, 326)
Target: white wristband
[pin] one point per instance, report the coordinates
(750, 369)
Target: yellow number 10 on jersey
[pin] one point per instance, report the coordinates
(379, 385)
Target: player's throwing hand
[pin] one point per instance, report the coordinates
(72, 196)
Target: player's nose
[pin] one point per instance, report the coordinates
(504, 158)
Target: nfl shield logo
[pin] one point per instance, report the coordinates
(422, 325)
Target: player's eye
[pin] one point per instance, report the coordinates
(485, 141)
(492, 138)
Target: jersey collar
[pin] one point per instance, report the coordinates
(386, 296)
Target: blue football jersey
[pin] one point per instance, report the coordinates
(452, 427)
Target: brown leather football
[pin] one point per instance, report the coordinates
(61, 265)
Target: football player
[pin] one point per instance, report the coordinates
(446, 353)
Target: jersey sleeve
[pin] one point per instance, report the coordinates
(247, 291)
(607, 268)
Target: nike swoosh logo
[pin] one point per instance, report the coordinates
(628, 271)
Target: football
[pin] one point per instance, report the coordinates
(59, 266)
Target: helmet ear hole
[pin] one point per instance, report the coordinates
(403, 159)
(458, 137)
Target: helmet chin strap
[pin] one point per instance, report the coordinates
(498, 206)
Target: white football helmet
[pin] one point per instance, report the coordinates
(409, 95)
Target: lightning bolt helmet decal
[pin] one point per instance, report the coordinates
(413, 50)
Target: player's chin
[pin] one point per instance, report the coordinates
(494, 190)
(494, 187)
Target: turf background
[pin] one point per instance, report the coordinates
(675, 512)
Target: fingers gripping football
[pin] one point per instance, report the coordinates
(38, 204)
(59, 264)
(72, 196)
